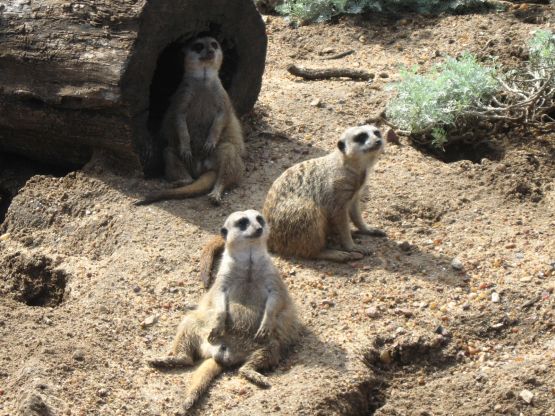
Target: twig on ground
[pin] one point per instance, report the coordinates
(339, 55)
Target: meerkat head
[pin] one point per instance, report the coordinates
(245, 228)
(201, 55)
(364, 143)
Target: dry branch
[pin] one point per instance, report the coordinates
(327, 73)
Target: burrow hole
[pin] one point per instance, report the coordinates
(457, 151)
(32, 280)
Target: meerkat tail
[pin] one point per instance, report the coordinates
(201, 379)
(201, 186)
(213, 249)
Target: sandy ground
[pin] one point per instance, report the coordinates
(451, 314)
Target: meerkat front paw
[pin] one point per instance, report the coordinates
(218, 330)
(187, 157)
(209, 146)
(263, 333)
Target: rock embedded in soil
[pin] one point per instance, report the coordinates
(457, 264)
(149, 321)
(527, 396)
(372, 312)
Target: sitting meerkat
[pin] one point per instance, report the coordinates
(204, 137)
(247, 318)
(314, 200)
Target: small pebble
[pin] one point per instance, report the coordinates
(495, 297)
(527, 396)
(372, 312)
(149, 321)
(103, 392)
(79, 355)
(405, 246)
(328, 302)
(457, 264)
(316, 103)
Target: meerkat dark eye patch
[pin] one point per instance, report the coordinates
(260, 220)
(197, 47)
(214, 45)
(360, 138)
(378, 133)
(242, 224)
(223, 232)
(341, 146)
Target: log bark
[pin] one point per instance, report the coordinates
(92, 74)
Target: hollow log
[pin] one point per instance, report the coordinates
(98, 74)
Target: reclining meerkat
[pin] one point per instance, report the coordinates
(247, 318)
(204, 136)
(314, 200)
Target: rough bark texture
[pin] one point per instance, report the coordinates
(99, 73)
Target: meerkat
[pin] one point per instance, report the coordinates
(314, 200)
(204, 137)
(247, 317)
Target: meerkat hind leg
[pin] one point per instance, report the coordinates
(260, 360)
(184, 347)
(356, 217)
(230, 170)
(200, 380)
(175, 170)
(170, 361)
(341, 226)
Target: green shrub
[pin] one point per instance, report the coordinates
(428, 103)
(321, 10)
(542, 49)
(464, 96)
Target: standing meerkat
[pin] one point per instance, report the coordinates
(314, 200)
(247, 317)
(204, 136)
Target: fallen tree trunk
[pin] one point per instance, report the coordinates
(92, 74)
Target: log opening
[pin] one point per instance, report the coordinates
(99, 74)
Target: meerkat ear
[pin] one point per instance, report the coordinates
(223, 232)
(341, 146)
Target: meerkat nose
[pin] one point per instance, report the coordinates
(258, 232)
(379, 142)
